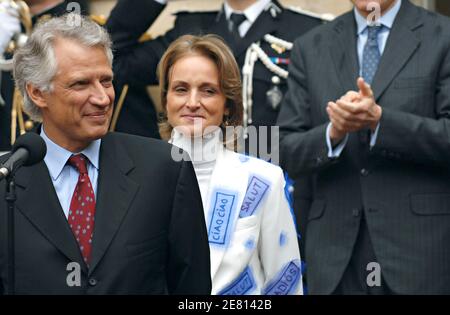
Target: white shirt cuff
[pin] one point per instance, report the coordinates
(161, 1)
(336, 152)
(373, 136)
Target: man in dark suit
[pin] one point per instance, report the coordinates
(376, 147)
(40, 10)
(115, 208)
(240, 23)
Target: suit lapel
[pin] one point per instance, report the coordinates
(401, 45)
(220, 27)
(343, 51)
(228, 175)
(114, 195)
(40, 204)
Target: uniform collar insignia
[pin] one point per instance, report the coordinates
(273, 9)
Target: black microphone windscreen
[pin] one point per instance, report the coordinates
(34, 144)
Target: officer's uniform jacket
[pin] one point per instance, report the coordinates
(136, 63)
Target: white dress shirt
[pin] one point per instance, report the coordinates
(251, 13)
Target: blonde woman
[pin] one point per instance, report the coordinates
(251, 232)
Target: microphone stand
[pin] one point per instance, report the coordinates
(29, 149)
(11, 198)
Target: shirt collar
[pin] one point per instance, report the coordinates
(387, 19)
(251, 13)
(56, 157)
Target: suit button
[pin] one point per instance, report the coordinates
(364, 172)
(355, 212)
(319, 160)
(92, 282)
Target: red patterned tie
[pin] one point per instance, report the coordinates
(82, 207)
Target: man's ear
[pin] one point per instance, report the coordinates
(36, 95)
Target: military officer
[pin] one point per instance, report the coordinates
(240, 22)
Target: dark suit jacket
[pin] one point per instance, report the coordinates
(401, 186)
(149, 238)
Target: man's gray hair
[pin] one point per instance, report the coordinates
(36, 64)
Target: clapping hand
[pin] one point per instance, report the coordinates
(353, 111)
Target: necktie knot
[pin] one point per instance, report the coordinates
(373, 32)
(236, 20)
(79, 161)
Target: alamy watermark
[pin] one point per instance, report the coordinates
(373, 18)
(374, 277)
(74, 16)
(73, 278)
(262, 141)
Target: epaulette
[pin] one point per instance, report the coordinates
(183, 12)
(326, 17)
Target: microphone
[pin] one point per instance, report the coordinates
(28, 149)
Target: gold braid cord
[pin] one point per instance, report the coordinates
(119, 106)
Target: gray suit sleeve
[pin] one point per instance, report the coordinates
(188, 270)
(303, 148)
(409, 137)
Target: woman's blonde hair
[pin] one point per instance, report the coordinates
(214, 48)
